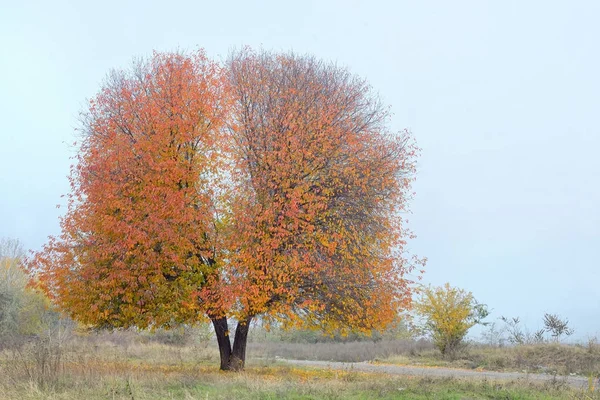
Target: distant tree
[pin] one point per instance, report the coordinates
(12, 286)
(494, 335)
(513, 327)
(448, 315)
(23, 310)
(557, 326)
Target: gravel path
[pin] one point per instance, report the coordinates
(574, 381)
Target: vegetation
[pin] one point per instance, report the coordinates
(553, 324)
(547, 358)
(24, 312)
(267, 187)
(266, 191)
(128, 365)
(448, 315)
(62, 361)
(557, 326)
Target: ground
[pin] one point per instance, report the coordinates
(94, 368)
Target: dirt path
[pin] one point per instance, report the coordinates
(574, 381)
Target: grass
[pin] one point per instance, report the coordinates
(551, 358)
(270, 382)
(106, 367)
(344, 352)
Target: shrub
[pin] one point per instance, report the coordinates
(24, 312)
(553, 324)
(557, 326)
(448, 314)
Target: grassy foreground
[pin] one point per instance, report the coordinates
(269, 382)
(84, 370)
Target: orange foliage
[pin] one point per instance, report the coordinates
(140, 224)
(320, 184)
(270, 186)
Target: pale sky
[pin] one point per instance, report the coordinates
(502, 96)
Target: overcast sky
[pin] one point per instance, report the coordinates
(502, 96)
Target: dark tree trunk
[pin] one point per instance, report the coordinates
(232, 359)
(238, 356)
(222, 332)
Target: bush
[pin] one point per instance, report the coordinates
(24, 312)
(448, 314)
(557, 326)
(40, 358)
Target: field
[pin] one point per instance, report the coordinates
(133, 366)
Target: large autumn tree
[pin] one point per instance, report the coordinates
(269, 187)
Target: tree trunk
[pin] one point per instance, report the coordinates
(232, 360)
(222, 332)
(238, 356)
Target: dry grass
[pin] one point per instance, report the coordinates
(125, 366)
(106, 375)
(344, 352)
(552, 358)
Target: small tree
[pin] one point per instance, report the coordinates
(494, 335)
(557, 326)
(513, 327)
(449, 313)
(23, 311)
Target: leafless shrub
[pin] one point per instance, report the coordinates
(538, 336)
(557, 326)
(514, 330)
(40, 358)
(494, 335)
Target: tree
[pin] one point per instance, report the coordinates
(23, 310)
(448, 315)
(557, 326)
(12, 286)
(513, 327)
(268, 187)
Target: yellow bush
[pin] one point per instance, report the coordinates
(448, 313)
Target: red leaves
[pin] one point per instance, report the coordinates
(269, 187)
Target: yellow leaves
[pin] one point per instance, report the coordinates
(448, 313)
(330, 245)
